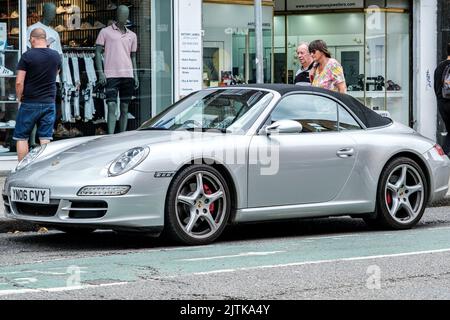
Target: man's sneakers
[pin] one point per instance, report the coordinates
(5, 72)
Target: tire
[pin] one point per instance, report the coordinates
(402, 196)
(197, 215)
(76, 231)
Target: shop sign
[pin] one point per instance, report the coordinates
(323, 4)
(190, 62)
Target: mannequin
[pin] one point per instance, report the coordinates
(48, 15)
(119, 75)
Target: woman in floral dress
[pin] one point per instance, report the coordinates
(327, 72)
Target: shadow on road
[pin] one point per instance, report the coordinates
(108, 240)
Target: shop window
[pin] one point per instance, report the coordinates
(372, 46)
(229, 44)
(9, 56)
(74, 27)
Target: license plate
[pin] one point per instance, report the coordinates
(30, 195)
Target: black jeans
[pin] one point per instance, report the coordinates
(444, 110)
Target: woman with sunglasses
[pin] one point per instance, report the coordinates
(327, 72)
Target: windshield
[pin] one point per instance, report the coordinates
(221, 109)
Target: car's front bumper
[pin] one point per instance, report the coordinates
(141, 208)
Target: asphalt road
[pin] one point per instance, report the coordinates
(337, 258)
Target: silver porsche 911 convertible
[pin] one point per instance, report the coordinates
(230, 155)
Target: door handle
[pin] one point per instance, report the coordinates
(345, 152)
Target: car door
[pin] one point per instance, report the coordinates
(307, 167)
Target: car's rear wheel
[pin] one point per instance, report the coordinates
(402, 195)
(198, 205)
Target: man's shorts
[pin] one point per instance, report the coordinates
(41, 114)
(122, 86)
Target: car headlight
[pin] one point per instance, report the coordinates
(127, 161)
(30, 157)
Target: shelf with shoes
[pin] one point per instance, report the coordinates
(9, 57)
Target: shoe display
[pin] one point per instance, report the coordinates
(15, 31)
(111, 6)
(4, 72)
(60, 28)
(12, 97)
(61, 131)
(60, 10)
(86, 25)
(74, 132)
(99, 132)
(73, 44)
(98, 25)
(11, 123)
(14, 15)
(70, 9)
(392, 86)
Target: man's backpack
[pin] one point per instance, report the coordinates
(446, 82)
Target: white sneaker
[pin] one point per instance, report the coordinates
(3, 149)
(11, 123)
(5, 72)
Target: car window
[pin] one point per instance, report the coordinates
(212, 109)
(346, 121)
(314, 113)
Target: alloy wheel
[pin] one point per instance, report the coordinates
(404, 193)
(201, 205)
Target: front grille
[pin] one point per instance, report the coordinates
(88, 209)
(36, 210)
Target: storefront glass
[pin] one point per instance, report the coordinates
(9, 56)
(229, 44)
(73, 28)
(372, 46)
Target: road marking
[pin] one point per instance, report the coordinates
(239, 255)
(43, 272)
(60, 289)
(295, 264)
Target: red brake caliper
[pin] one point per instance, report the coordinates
(388, 198)
(208, 191)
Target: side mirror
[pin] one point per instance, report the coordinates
(284, 126)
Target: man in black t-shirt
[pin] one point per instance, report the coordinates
(443, 104)
(36, 92)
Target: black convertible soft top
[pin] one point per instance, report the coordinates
(370, 118)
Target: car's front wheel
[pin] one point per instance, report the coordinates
(198, 205)
(402, 195)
